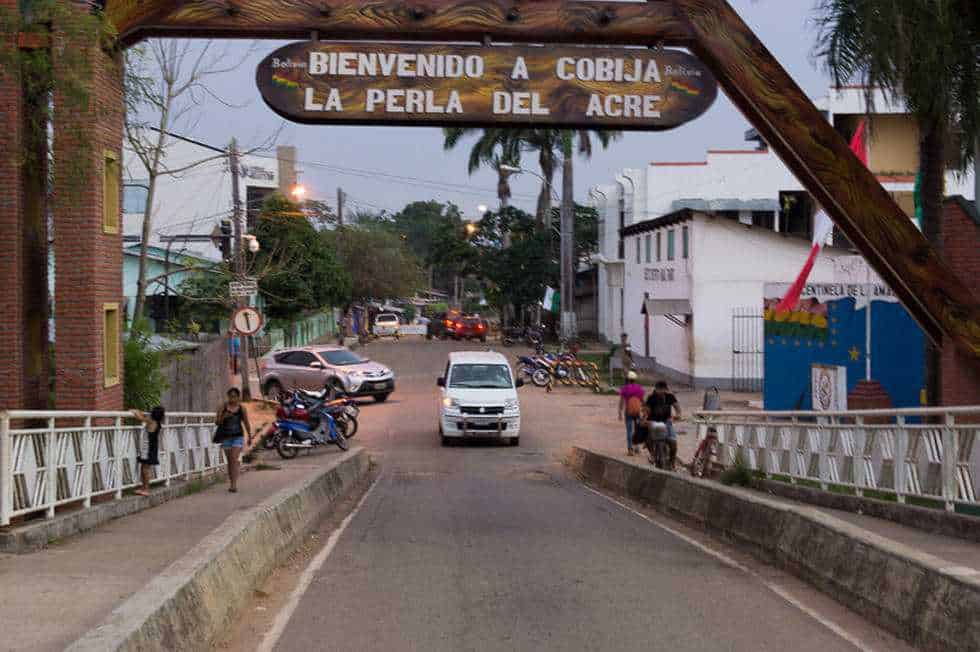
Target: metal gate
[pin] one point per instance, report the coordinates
(747, 352)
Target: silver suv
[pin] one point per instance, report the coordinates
(334, 368)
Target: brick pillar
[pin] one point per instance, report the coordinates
(88, 255)
(960, 375)
(23, 266)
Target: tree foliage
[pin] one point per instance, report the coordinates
(144, 382)
(378, 262)
(300, 270)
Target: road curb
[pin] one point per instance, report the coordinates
(191, 602)
(918, 597)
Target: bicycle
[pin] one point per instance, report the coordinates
(706, 452)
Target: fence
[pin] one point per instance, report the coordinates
(926, 453)
(197, 380)
(75, 457)
(303, 331)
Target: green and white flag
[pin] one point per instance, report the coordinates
(552, 300)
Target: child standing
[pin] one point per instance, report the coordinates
(148, 452)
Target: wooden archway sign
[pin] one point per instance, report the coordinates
(746, 70)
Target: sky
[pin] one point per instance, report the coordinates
(419, 168)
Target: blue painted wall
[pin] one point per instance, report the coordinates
(897, 345)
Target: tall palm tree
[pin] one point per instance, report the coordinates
(927, 54)
(494, 148)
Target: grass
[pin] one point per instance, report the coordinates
(194, 487)
(876, 494)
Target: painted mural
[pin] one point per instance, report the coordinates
(827, 327)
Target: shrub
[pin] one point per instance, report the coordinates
(738, 474)
(144, 381)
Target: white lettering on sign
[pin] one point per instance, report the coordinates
(605, 69)
(623, 106)
(333, 102)
(518, 104)
(411, 100)
(520, 69)
(373, 64)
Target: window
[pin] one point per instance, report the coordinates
(659, 249)
(638, 250)
(135, 195)
(647, 246)
(685, 242)
(299, 359)
(110, 343)
(670, 244)
(110, 192)
(481, 376)
(341, 357)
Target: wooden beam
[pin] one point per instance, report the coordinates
(826, 167)
(523, 21)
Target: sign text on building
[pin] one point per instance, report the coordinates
(472, 85)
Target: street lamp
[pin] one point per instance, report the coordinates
(298, 191)
(470, 229)
(513, 169)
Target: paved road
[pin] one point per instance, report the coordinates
(485, 547)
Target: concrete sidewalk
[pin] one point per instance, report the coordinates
(50, 598)
(592, 423)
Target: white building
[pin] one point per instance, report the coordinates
(747, 221)
(190, 205)
(199, 198)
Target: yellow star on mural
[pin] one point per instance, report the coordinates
(855, 353)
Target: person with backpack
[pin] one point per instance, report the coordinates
(630, 407)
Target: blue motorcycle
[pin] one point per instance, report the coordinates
(293, 436)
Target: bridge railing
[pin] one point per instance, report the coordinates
(928, 453)
(52, 459)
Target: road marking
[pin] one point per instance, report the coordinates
(728, 561)
(272, 637)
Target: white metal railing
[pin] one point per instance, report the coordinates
(928, 453)
(49, 459)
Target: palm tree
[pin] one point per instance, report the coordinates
(494, 147)
(925, 53)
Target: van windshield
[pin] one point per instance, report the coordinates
(481, 376)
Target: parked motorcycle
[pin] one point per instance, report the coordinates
(304, 407)
(533, 337)
(292, 436)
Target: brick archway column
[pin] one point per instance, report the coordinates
(88, 257)
(23, 266)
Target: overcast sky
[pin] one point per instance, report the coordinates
(416, 153)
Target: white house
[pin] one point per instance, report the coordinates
(747, 219)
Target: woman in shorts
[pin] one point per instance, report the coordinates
(233, 426)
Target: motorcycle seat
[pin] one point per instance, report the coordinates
(316, 396)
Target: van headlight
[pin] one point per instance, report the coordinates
(512, 405)
(450, 403)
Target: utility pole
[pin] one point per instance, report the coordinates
(567, 220)
(340, 207)
(239, 254)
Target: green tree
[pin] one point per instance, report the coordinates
(925, 53)
(377, 261)
(495, 148)
(144, 382)
(516, 275)
(297, 266)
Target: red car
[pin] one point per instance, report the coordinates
(470, 328)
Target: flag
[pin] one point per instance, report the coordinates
(822, 228)
(552, 300)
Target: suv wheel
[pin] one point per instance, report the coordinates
(335, 388)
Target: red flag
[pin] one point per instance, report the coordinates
(822, 228)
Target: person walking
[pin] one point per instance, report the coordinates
(630, 407)
(233, 427)
(148, 453)
(663, 408)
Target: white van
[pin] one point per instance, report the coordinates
(387, 324)
(479, 398)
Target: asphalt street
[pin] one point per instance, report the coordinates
(488, 547)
